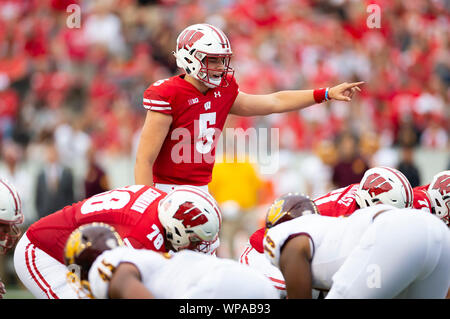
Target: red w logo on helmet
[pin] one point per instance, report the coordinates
(376, 184)
(190, 215)
(442, 184)
(188, 38)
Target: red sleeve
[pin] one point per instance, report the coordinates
(256, 240)
(156, 100)
(340, 202)
(421, 198)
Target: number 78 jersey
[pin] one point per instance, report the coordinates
(131, 210)
(187, 155)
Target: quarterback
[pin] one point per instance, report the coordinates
(100, 267)
(144, 217)
(186, 113)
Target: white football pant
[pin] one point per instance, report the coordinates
(257, 261)
(42, 275)
(401, 255)
(232, 281)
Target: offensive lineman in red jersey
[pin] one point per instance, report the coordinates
(379, 185)
(186, 113)
(435, 197)
(144, 217)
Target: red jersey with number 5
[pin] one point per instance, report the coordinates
(131, 210)
(188, 153)
(421, 200)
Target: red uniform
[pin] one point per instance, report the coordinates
(339, 202)
(187, 155)
(421, 198)
(131, 210)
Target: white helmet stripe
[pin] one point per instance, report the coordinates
(221, 35)
(15, 197)
(405, 182)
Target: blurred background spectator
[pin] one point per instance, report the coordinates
(317, 169)
(96, 180)
(408, 167)
(350, 166)
(13, 169)
(54, 185)
(83, 85)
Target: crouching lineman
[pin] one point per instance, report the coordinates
(379, 185)
(435, 197)
(377, 252)
(101, 267)
(10, 218)
(145, 217)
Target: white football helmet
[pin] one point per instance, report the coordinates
(384, 185)
(191, 218)
(195, 45)
(10, 216)
(439, 191)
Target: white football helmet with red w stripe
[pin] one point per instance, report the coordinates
(439, 191)
(10, 216)
(384, 185)
(195, 45)
(191, 218)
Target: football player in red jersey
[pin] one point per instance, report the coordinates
(379, 185)
(435, 197)
(144, 217)
(186, 113)
(10, 218)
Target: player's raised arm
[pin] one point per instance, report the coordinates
(154, 132)
(291, 100)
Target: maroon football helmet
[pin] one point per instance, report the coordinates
(289, 206)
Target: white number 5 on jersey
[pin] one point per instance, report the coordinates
(205, 132)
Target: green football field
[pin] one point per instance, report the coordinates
(17, 293)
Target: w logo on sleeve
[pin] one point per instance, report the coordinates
(190, 215)
(376, 184)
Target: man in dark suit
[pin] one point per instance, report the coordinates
(54, 188)
(408, 167)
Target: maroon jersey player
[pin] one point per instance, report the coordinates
(379, 185)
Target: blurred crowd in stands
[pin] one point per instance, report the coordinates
(71, 95)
